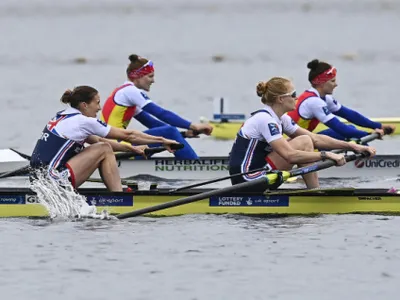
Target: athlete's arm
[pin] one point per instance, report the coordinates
(135, 136)
(356, 118)
(92, 126)
(270, 132)
(323, 112)
(166, 116)
(322, 141)
(344, 129)
(148, 120)
(93, 139)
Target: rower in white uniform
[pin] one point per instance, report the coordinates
(60, 149)
(260, 142)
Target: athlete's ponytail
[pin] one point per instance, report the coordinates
(79, 94)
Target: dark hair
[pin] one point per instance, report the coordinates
(317, 67)
(79, 94)
(136, 63)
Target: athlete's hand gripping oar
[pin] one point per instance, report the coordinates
(148, 151)
(363, 140)
(264, 182)
(190, 133)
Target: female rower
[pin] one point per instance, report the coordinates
(60, 149)
(260, 143)
(130, 100)
(317, 105)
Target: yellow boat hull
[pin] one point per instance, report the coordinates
(295, 202)
(228, 131)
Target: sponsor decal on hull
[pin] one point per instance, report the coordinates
(253, 201)
(12, 199)
(191, 165)
(377, 163)
(112, 200)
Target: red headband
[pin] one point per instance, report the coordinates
(325, 76)
(146, 69)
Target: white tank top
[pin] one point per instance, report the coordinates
(268, 127)
(316, 107)
(77, 127)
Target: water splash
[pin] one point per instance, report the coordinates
(61, 200)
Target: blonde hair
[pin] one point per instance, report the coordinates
(271, 89)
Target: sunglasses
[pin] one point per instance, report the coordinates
(331, 70)
(148, 64)
(291, 94)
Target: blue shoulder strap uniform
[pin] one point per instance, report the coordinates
(53, 151)
(247, 155)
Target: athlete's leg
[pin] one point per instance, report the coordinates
(332, 134)
(304, 143)
(173, 133)
(99, 155)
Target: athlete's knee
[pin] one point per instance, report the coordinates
(305, 143)
(170, 130)
(104, 148)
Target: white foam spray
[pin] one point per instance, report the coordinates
(61, 200)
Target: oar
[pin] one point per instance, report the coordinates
(122, 155)
(365, 139)
(23, 155)
(216, 180)
(18, 172)
(147, 152)
(264, 182)
(309, 191)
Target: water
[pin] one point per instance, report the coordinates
(203, 257)
(197, 257)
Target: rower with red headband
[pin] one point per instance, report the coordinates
(130, 100)
(317, 105)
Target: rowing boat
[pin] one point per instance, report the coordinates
(22, 202)
(212, 167)
(227, 130)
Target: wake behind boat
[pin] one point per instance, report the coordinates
(216, 166)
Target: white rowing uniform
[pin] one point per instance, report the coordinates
(62, 138)
(252, 144)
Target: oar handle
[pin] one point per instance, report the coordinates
(148, 152)
(363, 140)
(369, 138)
(195, 132)
(325, 164)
